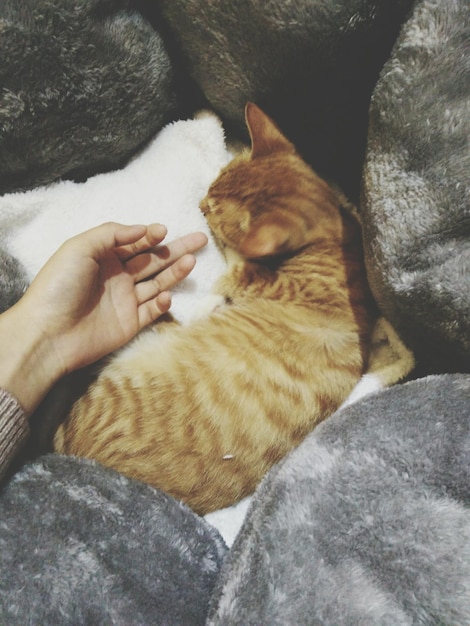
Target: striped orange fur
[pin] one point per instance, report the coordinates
(203, 411)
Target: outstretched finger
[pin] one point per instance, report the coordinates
(154, 235)
(152, 309)
(165, 280)
(145, 265)
(99, 240)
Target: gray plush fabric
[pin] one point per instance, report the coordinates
(13, 281)
(366, 523)
(82, 85)
(416, 201)
(311, 64)
(82, 545)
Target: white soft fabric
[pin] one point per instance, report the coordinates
(164, 183)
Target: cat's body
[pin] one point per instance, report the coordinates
(203, 411)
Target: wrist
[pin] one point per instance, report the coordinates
(28, 365)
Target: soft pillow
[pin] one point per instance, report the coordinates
(416, 205)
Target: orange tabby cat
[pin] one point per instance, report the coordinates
(203, 411)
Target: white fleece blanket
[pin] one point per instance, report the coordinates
(163, 183)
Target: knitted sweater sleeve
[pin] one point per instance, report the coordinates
(14, 429)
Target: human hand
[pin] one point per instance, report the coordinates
(92, 296)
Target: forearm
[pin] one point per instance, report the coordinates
(28, 368)
(27, 372)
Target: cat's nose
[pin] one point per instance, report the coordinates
(204, 206)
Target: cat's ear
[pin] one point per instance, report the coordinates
(266, 138)
(268, 239)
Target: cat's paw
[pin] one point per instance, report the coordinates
(207, 305)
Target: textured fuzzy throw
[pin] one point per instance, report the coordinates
(84, 545)
(82, 86)
(416, 200)
(367, 523)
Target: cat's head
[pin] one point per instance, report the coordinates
(269, 201)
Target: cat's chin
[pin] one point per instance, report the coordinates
(207, 305)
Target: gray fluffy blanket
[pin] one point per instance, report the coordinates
(416, 187)
(82, 85)
(80, 544)
(367, 522)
